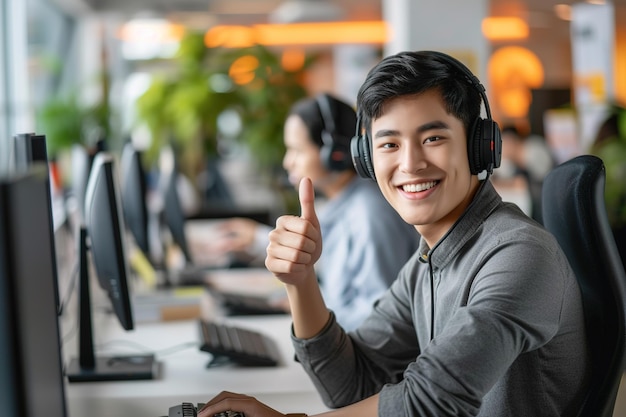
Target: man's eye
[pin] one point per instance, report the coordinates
(432, 139)
(388, 145)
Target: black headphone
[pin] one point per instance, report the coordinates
(335, 150)
(484, 141)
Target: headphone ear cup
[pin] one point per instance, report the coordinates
(334, 152)
(496, 140)
(361, 159)
(473, 147)
(484, 146)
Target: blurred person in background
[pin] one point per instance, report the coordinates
(526, 160)
(610, 146)
(365, 241)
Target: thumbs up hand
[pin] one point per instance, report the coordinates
(296, 242)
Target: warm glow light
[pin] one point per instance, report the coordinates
(563, 11)
(292, 59)
(318, 33)
(513, 72)
(504, 28)
(619, 65)
(229, 36)
(242, 69)
(150, 30)
(148, 38)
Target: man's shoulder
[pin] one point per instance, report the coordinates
(509, 223)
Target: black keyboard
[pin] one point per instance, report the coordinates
(190, 410)
(242, 346)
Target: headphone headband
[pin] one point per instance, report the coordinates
(469, 75)
(326, 112)
(484, 142)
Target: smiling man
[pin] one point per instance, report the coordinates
(485, 319)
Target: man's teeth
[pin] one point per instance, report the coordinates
(416, 188)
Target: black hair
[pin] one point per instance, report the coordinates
(409, 73)
(343, 116)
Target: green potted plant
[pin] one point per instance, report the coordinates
(181, 107)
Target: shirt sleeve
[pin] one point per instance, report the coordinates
(344, 369)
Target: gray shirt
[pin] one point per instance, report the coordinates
(488, 322)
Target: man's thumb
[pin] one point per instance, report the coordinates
(307, 199)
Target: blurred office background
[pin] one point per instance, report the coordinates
(212, 79)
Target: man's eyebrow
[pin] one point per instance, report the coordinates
(386, 132)
(436, 124)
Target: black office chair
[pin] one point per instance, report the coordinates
(574, 211)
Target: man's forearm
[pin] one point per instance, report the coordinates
(308, 310)
(366, 408)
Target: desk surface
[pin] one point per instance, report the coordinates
(184, 375)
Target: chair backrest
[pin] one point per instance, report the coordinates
(574, 212)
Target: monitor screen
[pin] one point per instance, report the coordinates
(31, 149)
(103, 236)
(134, 193)
(105, 225)
(31, 375)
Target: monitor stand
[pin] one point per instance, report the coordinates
(87, 367)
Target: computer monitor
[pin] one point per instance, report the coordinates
(104, 226)
(134, 193)
(175, 219)
(31, 373)
(173, 214)
(29, 149)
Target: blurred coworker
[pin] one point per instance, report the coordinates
(525, 163)
(365, 240)
(610, 145)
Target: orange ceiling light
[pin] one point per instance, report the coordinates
(501, 28)
(563, 11)
(293, 59)
(317, 33)
(513, 72)
(242, 70)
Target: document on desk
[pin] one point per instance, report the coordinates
(168, 304)
(253, 281)
(248, 290)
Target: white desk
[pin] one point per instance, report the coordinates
(184, 376)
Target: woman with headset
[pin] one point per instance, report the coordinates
(365, 240)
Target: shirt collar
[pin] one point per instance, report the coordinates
(485, 201)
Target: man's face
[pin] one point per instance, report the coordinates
(419, 153)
